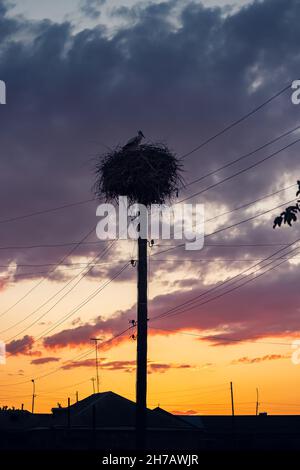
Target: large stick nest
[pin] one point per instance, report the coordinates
(148, 174)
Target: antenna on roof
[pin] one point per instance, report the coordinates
(93, 380)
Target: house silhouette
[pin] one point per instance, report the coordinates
(98, 422)
(110, 410)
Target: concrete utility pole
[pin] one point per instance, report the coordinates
(149, 173)
(232, 400)
(257, 403)
(141, 377)
(97, 369)
(33, 395)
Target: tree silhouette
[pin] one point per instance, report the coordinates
(289, 215)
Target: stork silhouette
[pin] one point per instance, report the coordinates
(134, 142)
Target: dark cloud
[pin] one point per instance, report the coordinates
(22, 346)
(254, 311)
(19, 372)
(72, 94)
(68, 94)
(255, 360)
(44, 360)
(81, 334)
(126, 366)
(162, 368)
(91, 7)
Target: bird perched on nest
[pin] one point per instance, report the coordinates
(133, 143)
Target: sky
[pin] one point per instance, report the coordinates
(83, 77)
(83, 13)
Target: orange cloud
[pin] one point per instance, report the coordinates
(255, 360)
(126, 366)
(44, 360)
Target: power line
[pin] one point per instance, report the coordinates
(36, 378)
(53, 245)
(211, 259)
(243, 206)
(70, 265)
(224, 293)
(46, 392)
(27, 275)
(247, 204)
(58, 245)
(50, 272)
(110, 340)
(235, 123)
(96, 258)
(164, 315)
(238, 245)
(58, 323)
(82, 274)
(83, 303)
(280, 404)
(64, 387)
(206, 404)
(253, 165)
(225, 129)
(45, 211)
(234, 277)
(226, 228)
(213, 218)
(50, 298)
(205, 389)
(80, 307)
(270, 142)
(224, 338)
(78, 356)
